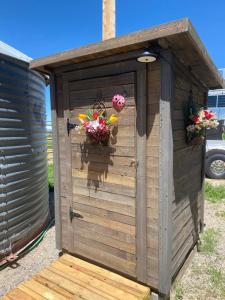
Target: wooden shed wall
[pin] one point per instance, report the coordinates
(187, 207)
(152, 170)
(153, 138)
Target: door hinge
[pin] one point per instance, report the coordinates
(70, 126)
(73, 214)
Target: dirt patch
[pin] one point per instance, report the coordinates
(30, 264)
(205, 276)
(216, 182)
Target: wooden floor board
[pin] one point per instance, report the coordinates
(71, 278)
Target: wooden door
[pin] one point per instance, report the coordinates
(103, 179)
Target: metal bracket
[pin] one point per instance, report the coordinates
(70, 126)
(73, 214)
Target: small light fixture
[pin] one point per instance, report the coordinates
(147, 57)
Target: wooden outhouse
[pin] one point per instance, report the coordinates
(136, 204)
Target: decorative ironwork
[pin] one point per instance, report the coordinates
(99, 104)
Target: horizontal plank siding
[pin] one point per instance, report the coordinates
(188, 181)
(104, 177)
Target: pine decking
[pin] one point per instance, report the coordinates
(72, 278)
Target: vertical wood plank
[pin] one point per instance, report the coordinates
(55, 142)
(68, 165)
(202, 212)
(141, 202)
(108, 19)
(166, 193)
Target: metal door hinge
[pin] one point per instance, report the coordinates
(70, 126)
(73, 214)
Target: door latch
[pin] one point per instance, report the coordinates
(70, 126)
(73, 214)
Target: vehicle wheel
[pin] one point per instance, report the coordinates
(215, 166)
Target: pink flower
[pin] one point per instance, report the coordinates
(118, 102)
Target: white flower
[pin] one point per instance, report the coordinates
(94, 124)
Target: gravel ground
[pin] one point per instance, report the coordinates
(215, 182)
(204, 278)
(196, 283)
(30, 264)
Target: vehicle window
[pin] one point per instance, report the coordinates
(212, 101)
(221, 101)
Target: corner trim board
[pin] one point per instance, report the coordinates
(55, 142)
(141, 205)
(166, 173)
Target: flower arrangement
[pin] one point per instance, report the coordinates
(197, 124)
(96, 123)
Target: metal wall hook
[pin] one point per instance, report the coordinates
(70, 126)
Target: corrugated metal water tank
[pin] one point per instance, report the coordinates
(23, 153)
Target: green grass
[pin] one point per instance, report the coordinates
(209, 240)
(217, 279)
(179, 293)
(49, 143)
(214, 194)
(50, 177)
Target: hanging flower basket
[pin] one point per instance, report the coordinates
(95, 122)
(96, 125)
(197, 140)
(197, 125)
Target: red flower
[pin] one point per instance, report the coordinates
(95, 115)
(208, 114)
(196, 119)
(102, 121)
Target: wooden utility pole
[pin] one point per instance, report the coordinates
(108, 19)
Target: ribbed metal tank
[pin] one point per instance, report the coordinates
(23, 151)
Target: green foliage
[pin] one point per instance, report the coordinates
(214, 194)
(50, 177)
(49, 143)
(209, 240)
(179, 293)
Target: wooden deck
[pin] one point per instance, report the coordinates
(72, 278)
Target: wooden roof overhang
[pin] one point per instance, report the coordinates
(179, 36)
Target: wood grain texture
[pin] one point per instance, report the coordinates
(108, 19)
(166, 192)
(179, 36)
(188, 205)
(152, 173)
(72, 278)
(104, 177)
(68, 163)
(141, 217)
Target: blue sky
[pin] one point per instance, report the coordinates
(43, 27)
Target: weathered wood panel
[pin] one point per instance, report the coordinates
(104, 177)
(61, 170)
(72, 278)
(188, 181)
(152, 174)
